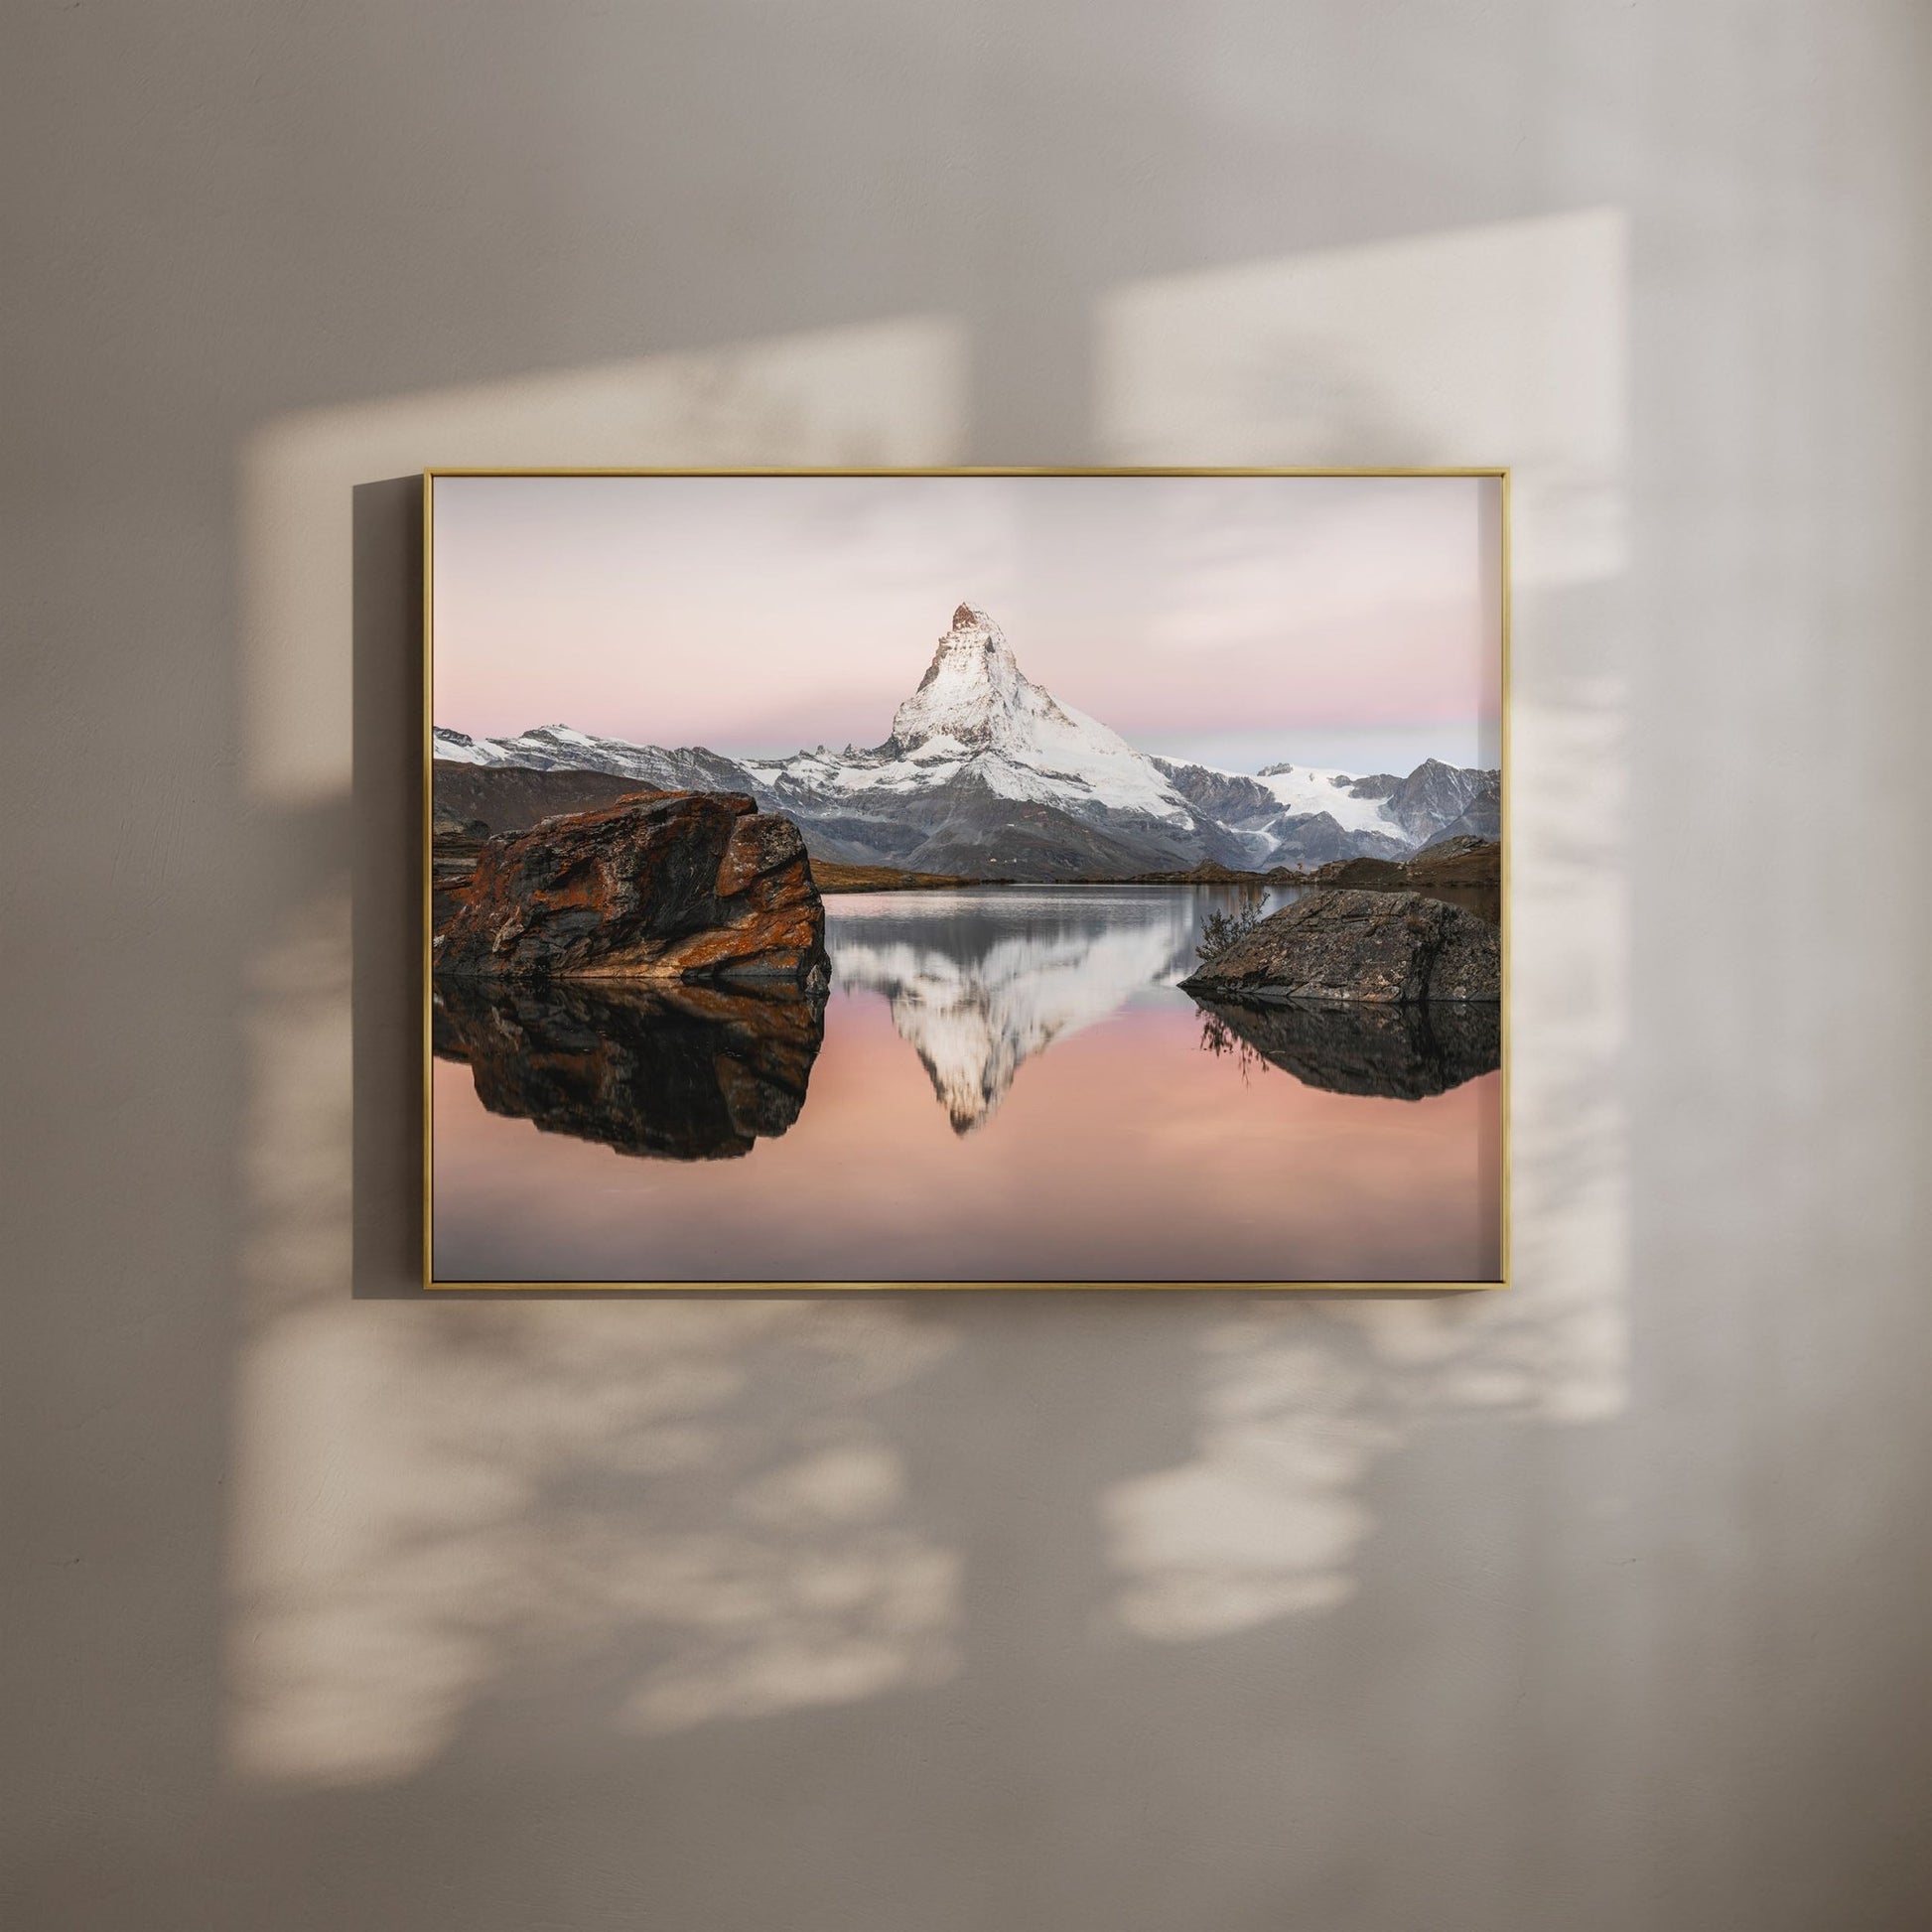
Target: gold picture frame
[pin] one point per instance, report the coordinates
(1499, 473)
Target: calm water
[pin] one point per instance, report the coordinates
(1004, 1084)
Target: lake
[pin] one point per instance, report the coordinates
(1004, 1084)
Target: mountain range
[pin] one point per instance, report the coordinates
(986, 773)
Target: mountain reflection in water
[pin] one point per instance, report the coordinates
(978, 985)
(1081, 1132)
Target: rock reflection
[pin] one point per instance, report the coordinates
(684, 1074)
(1388, 1053)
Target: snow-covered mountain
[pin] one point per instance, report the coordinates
(556, 748)
(986, 772)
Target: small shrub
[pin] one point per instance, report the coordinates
(1225, 924)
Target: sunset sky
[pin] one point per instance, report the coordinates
(1345, 621)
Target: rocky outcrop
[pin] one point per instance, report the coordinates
(677, 1073)
(1377, 784)
(1376, 947)
(1364, 875)
(512, 798)
(1463, 869)
(1231, 798)
(1318, 838)
(456, 844)
(1390, 1052)
(1431, 799)
(659, 886)
(1482, 817)
(1459, 859)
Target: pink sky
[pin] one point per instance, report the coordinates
(1328, 620)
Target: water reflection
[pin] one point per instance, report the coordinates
(1125, 1153)
(1485, 902)
(1392, 1052)
(684, 1075)
(979, 984)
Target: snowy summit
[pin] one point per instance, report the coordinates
(977, 714)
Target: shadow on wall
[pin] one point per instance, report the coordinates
(471, 1532)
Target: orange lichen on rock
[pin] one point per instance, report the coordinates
(660, 885)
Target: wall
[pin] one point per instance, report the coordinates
(1600, 1604)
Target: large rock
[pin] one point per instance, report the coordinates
(673, 1072)
(1376, 947)
(659, 886)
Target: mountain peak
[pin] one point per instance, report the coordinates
(978, 717)
(973, 681)
(973, 631)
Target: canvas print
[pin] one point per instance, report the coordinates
(978, 878)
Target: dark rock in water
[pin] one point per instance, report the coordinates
(660, 886)
(1391, 1052)
(1376, 947)
(677, 1073)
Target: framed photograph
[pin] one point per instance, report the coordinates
(991, 877)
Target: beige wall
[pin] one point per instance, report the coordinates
(1597, 1605)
